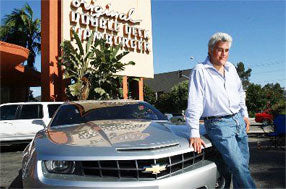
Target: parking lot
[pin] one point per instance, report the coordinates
(267, 163)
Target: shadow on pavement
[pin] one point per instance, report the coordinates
(267, 164)
(13, 148)
(17, 182)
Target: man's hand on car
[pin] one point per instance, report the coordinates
(196, 143)
(247, 123)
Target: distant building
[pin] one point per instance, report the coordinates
(163, 82)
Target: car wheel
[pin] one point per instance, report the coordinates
(220, 183)
(265, 122)
(17, 182)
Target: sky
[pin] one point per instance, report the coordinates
(181, 29)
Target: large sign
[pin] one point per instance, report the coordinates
(120, 22)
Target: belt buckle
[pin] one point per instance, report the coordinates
(207, 118)
(211, 117)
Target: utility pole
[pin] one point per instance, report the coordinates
(180, 72)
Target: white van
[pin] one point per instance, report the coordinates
(19, 122)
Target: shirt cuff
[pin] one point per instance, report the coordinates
(194, 133)
(244, 113)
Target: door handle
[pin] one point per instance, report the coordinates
(8, 123)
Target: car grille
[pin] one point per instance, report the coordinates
(134, 169)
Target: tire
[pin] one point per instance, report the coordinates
(220, 183)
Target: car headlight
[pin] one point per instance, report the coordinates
(63, 167)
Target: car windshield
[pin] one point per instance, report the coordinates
(84, 112)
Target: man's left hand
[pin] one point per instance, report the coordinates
(247, 123)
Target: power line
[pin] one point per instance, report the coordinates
(273, 80)
(270, 71)
(276, 62)
(269, 63)
(280, 81)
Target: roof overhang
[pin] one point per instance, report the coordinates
(12, 72)
(12, 55)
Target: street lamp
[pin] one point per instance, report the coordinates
(193, 58)
(180, 72)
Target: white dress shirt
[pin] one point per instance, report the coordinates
(212, 94)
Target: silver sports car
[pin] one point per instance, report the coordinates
(115, 144)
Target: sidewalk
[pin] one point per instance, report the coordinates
(258, 128)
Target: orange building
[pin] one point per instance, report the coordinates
(133, 29)
(15, 78)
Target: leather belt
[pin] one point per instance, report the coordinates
(219, 117)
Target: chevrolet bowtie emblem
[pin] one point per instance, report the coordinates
(154, 169)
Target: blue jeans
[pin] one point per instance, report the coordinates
(229, 136)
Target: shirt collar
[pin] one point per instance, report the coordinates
(208, 64)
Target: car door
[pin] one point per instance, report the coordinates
(29, 121)
(8, 115)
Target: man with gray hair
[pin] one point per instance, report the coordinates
(216, 95)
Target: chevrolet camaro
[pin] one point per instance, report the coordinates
(116, 144)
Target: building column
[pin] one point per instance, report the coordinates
(125, 87)
(50, 40)
(62, 83)
(141, 89)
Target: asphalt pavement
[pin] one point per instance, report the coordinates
(10, 166)
(267, 162)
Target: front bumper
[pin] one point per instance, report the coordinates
(202, 174)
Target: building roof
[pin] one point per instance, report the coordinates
(12, 55)
(12, 72)
(163, 82)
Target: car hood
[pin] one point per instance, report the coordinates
(119, 138)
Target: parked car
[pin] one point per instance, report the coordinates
(264, 117)
(168, 116)
(115, 144)
(21, 121)
(176, 118)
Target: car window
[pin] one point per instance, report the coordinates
(8, 112)
(52, 108)
(126, 111)
(68, 114)
(34, 111)
(73, 114)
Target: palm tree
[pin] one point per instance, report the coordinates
(22, 29)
